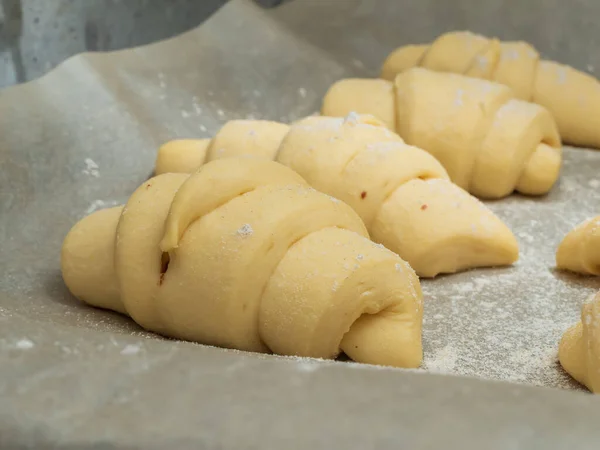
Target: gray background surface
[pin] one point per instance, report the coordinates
(36, 35)
(85, 135)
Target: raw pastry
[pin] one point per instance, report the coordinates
(579, 349)
(175, 156)
(580, 249)
(401, 192)
(490, 143)
(243, 254)
(571, 96)
(248, 137)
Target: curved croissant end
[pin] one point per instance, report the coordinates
(402, 194)
(571, 96)
(579, 349)
(181, 156)
(580, 249)
(401, 59)
(271, 267)
(490, 143)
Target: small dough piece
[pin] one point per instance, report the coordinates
(401, 192)
(178, 155)
(375, 98)
(579, 349)
(571, 96)
(260, 138)
(580, 249)
(253, 259)
(490, 143)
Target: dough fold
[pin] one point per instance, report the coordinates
(253, 259)
(579, 251)
(571, 96)
(401, 192)
(490, 143)
(579, 349)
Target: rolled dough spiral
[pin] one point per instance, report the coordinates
(401, 192)
(489, 142)
(243, 254)
(571, 96)
(579, 349)
(580, 249)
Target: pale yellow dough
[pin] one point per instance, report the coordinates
(401, 192)
(490, 143)
(252, 259)
(579, 349)
(571, 96)
(580, 249)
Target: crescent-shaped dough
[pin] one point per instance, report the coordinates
(580, 249)
(571, 96)
(579, 349)
(243, 254)
(490, 143)
(400, 192)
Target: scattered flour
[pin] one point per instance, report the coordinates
(245, 230)
(24, 344)
(352, 118)
(482, 61)
(197, 108)
(130, 349)
(561, 73)
(91, 168)
(302, 92)
(459, 100)
(443, 360)
(505, 323)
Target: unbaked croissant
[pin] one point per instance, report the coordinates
(579, 349)
(243, 254)
(580, 249)
(489, 142)
(401, 192)
(571, 96)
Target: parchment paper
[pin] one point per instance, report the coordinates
(84, 136)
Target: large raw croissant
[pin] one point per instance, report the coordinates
(243, 254)
(489, 142)
(580, 249)
(573, 97)
(401, 192)
(579, 349)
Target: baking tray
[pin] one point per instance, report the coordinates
(85, 135)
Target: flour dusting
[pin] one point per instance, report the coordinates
(506, 323)
(245, 230)
(91, 168)
(130, 349)
(24, 344)
(443, 360)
